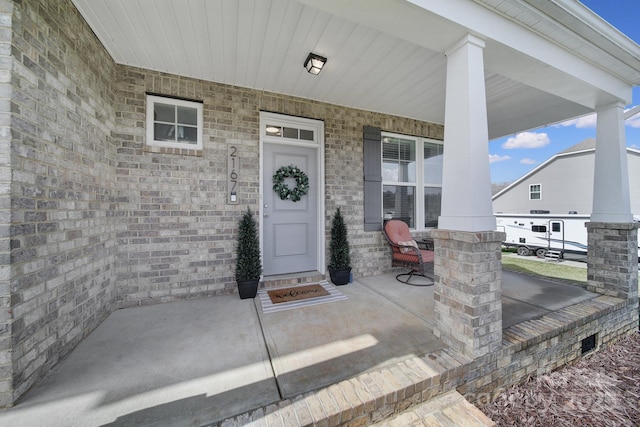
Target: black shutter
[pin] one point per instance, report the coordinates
(372, 178)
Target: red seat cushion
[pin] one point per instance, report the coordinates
(427, 256)
(397, 231)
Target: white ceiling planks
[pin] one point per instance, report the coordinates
(384, 55)
(307, 24)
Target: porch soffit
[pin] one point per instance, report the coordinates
(383, 55)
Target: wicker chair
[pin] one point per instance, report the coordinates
(405, 252)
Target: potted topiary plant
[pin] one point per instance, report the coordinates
(248, 262)
(339, 258)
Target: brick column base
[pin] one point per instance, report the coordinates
(612, 259)
(468, 290)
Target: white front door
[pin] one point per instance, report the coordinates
(291, 230)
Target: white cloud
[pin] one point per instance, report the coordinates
(584, 122)
(634, 121)
(590, 121)
(494, 158)
(527, 140)
(528, 161)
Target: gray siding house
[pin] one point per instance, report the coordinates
(564, 184)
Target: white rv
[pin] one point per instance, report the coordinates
(535, 234)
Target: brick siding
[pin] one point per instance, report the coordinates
(178, 236)
(6, 366)
(93, 220)
(62, 224)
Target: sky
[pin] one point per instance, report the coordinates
(515, 155)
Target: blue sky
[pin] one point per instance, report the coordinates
(515, 155)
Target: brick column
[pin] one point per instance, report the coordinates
(612, 259)
(468, 290)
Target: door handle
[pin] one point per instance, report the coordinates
(266, 215)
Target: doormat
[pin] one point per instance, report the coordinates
(311, 298)
(295, 293)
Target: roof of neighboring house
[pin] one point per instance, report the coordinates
(588, 144)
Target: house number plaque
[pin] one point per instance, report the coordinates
(233, 169)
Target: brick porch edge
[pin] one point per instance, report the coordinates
(528, 348)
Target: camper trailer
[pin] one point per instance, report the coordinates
(538, 233)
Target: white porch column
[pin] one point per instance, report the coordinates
(612, 255)
(466, 181)
(468, 271)
(611, 201)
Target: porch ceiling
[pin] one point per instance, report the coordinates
(383, 55)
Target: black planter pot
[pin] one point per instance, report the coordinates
(339, 277)
(248, 288)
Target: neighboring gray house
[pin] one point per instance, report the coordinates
(564, 184)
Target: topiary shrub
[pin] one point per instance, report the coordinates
(339, 258)
(248, 261)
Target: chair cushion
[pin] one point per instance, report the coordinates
(397, 231)
(427, 256)
(411, 242)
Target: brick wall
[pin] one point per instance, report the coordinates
(543, 345)
(62, 227)
(180, 233)
(6, 370)
(92, 220)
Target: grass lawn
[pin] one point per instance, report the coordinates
(545, 269)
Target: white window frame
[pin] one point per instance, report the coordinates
(151, 141)
(419, 183)
(539, 192)
(423, 141)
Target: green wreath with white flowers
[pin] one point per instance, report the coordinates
(283, 190)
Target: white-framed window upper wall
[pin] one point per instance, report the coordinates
(535, 191)
(174, 123)
(411, 179)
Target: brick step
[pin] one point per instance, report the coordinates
(417, 385)
(444, 410)
(281, 280)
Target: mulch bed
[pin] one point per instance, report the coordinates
(602, 389)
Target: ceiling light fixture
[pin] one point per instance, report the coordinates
(314, 63)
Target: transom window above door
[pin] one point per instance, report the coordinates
(288, 132)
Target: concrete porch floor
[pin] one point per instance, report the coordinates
(192, 363)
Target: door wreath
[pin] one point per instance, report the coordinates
(283, 190)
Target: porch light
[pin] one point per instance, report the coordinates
(314, 63)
